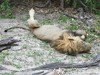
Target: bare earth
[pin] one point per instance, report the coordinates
(33, 52)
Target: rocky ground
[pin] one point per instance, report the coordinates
(33, 52)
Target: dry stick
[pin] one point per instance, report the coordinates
(83, 4)
(62, 4)
(2, 68)
(66, 14)
(53, 66)
(95, 62)
(47, 3)
(4, 48)
(63, 65)
(7, 43)
(58, 65)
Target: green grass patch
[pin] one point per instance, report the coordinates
(98, 24)
(34, 54)
(90, 38)
(46, 21)
(72, 27)
(88, 56)
(98, 27)
(63, 18)
(3, 55)
(6, 73)
(5, 9)
(54, 60)
(92, 35)
(17, 65)
(44, 44)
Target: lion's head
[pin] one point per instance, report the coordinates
(71, 44)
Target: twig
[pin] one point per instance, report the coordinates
(47, 3)
(58, 65)
(7, 43)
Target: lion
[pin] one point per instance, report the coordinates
(71, 45)
(65, 41)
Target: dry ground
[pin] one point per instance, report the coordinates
(33, 52)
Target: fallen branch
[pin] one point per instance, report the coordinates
(8, 43)
(67, 14)
(52, 66)
(57, 65)
(42, 6)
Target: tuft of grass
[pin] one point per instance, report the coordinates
(44, 45)
(72, 27)
(92, 35)
(17, 65)
(5, 9)
(88, 56)
(6, 73)
(46, 21)
(63, 18)
(90, 38)
(54, 60)
(35, 54)
(90, 5)
(3, 55)
(98, 25)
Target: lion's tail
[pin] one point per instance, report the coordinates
(16, 27)
(32, 23)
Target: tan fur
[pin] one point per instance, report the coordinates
(31, 21)
(65, 41)
(61, 40)
(71, 44)
(48, 32)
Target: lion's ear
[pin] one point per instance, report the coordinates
(70, 38)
